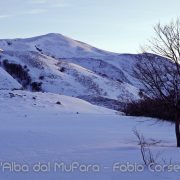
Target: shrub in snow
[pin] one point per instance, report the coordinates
(9, 43)
(59, 103)
(18, 72)
(11, 95)
(36, 86)
(41, 77)
(38, 49)
(62, 69)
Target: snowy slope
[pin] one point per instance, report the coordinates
(42, 101)
(37, 130)
(74, 80)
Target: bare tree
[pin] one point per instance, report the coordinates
(160, 73)
(146, 154)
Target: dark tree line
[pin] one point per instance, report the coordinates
(20, 73)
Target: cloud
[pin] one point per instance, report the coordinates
(35, 11)
(38, 1)
(30, 7)
(43, 6)
(59, 5)
(4, 16)
(50, 3)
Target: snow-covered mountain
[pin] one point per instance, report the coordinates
(69, 67)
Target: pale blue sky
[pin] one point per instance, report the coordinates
(114, 25)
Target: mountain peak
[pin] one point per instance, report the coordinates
(54, 44)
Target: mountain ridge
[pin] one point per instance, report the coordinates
(73, 68)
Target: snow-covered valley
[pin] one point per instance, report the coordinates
(36, 129)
